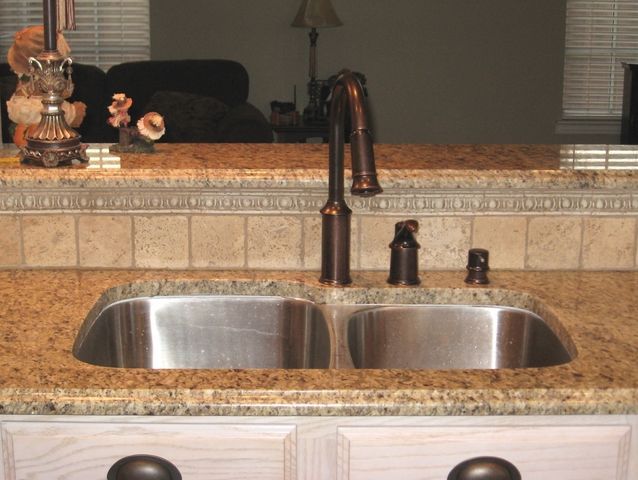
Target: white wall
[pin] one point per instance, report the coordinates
(439, 71)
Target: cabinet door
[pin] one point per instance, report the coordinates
(86, 451)
(430, 453)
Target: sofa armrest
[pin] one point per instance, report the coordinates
(245, 124)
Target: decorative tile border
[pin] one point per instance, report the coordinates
(309, 200)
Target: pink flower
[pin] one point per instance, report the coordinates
(151, 125)
(119, 110)
(120, 103)
(119, 119)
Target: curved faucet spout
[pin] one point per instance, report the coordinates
(335, 236)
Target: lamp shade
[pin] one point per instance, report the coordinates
(316, 14)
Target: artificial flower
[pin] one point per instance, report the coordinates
(20, 134)
(24, 110)
(27, 110)
(29, 42)
(121, 103)
(119, 119)
(79, 114)
(151, 125)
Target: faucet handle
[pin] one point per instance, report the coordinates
(404, 255)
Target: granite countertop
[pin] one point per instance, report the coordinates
(41, 311)
(400, 166)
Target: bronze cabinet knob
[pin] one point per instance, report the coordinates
(143, 467)
(485, 468)
(404, 254)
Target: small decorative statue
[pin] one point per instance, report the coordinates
(25, 105)
(137, 139)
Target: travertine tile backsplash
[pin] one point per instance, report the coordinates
(10, 241)
(105, 239)
(293, 241)
(609, 242)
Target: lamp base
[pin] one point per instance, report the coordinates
(53, 143)
(54, 154)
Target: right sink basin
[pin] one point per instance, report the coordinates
(452, 337)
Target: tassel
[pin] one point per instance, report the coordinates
(66, 15)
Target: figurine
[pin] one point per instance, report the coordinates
(137, 139)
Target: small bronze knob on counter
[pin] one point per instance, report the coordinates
(478, 264)
(404, 254)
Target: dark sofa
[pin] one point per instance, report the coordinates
(201, 100)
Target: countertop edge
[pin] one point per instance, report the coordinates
(223, 403)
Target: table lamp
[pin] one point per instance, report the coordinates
(315, 14)
(53, 142)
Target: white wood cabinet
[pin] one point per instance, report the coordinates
(44, 450)
(431, 453)
(320, 448)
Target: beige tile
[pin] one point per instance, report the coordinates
(609, 242)
(312, 242)
(161, 241)
(105, 241)
(49, 240)
(504, 237)
(554, 243)
(9, 241)
(375, 235)
(274, 242)
(444, 242)
(218, 241)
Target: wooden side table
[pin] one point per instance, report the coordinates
(300, 133)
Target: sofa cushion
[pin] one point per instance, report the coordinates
(225, 80)
(188, 117)
(89, 86)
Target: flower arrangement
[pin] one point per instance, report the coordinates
(139, 138)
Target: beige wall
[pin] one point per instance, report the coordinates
(439, 71)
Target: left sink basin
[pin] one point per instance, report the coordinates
(204, 332)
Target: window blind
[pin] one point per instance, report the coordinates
(108, 32)
(600, 35)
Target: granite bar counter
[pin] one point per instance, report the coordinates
(42, 310)
(561, 224)
(414, 166)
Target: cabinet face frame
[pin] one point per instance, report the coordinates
(41, 450)
(311, 443)
(430, 453)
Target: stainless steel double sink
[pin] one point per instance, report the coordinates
(236, 332)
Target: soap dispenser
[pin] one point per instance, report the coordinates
(404, 255)
(478, 264)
